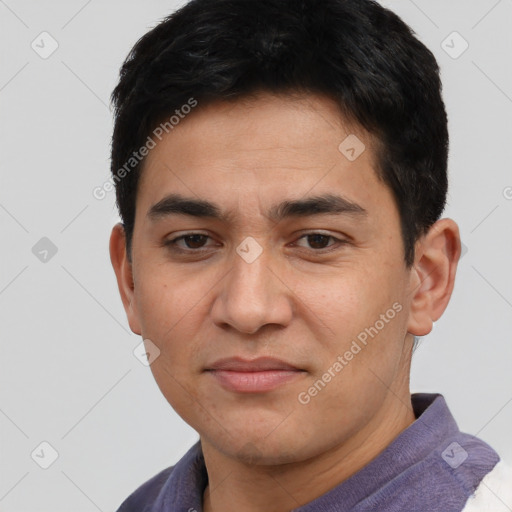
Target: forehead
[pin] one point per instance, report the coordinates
(262, 150)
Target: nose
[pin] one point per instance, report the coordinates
(252, 295)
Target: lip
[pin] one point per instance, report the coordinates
(239, 364)
(253, 376)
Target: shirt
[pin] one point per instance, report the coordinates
(430, 466)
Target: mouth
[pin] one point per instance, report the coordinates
(253, 376)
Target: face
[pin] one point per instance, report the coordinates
(298, 258)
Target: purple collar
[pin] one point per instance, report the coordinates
(430, 466)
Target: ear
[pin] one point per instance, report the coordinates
(123, 271)
(433, 275)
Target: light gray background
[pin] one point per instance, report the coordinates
(67, 372)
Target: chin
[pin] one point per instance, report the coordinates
(261, 454)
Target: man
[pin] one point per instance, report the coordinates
(281, 170)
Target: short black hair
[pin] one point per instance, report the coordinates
(356, 52)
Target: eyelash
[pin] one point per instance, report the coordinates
(172, 243)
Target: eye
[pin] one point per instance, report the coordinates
(192, 241)
(196, 242)
(319, 241)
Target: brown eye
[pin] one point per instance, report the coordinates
(319, 241)
(192, 242)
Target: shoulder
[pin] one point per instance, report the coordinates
(143, 498)
(184, 480)
(494, 494)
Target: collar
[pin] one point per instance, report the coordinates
(416, 450)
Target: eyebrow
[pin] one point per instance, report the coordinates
(176, 204)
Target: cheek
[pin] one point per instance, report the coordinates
(346, 302)
(360, 316)
(164, 298)
(169, 310)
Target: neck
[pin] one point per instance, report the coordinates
(235, 486)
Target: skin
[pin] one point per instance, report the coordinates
(296, 301)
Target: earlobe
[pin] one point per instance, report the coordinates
(123, 270)
(433, 275)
